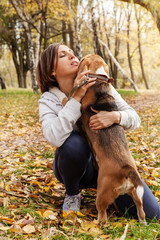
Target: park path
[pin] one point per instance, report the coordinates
(147, 99)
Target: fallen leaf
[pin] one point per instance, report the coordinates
(29, 228)
(50, 215)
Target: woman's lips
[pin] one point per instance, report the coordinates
(75, 63)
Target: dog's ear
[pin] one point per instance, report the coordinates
(110, 80)
(83, 65)
(106, 68)
(81, 60)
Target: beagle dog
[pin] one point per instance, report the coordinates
(117, 174)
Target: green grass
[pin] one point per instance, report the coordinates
(128, 93)
(17, 91)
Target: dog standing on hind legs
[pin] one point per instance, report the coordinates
(117, 173)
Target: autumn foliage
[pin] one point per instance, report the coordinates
(31, 198)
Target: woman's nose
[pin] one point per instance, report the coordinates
(71, 55)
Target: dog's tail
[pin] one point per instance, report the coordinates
(131, 173)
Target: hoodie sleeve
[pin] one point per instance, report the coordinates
(129, 118)
(57, 121)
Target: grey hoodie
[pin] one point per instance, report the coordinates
(58, 121)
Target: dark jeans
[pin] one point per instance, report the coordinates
(74, 168)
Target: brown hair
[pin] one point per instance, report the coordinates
(46, 66)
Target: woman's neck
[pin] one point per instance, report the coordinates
(66, 85)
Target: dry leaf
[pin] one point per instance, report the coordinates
(50, 215)
(29, 228)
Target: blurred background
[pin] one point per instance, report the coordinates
(125, 33)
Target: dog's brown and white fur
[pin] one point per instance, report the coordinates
(117, 173)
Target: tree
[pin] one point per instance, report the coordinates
(16, 41)
(27, 24)
(2, 83)
(152, 6)
(94, 27)
(119, 67)
(129, 12)
(118, 23)
(138, 18)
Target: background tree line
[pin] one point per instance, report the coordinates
(125, 33)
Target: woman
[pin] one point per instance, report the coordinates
(56, 76)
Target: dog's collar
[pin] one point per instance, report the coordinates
(97, 76)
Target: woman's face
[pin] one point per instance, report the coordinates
(67, 64)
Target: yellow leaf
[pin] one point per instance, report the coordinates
(51, 183)
(50, 214)
(87, 225)
(29, 228)
(80, 214)
(117, 225)
(17, 155)
(157, 193)
(95, 231)
(46, 189)
(7, 187)
(39, 212)
(7, 220)
(35, 183)
(70, 213)
(106, 236)
(155, 173)
(145, 169)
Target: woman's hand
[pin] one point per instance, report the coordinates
(103, 119)
(81, 91)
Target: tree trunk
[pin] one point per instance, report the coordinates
(101, 30)
(2, 83)
(78, 47)
(27, 27)
(94, 27)
(31, 58)
(37, 51)
(140, 50)
(116, 52)
(108, 40)
(128, 45)
(17, 64)
(119, 67)
(25, 70)
(70, 28)
(64, 36)
(45, 24)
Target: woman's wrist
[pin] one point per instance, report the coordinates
(77, 98)
(117, 117)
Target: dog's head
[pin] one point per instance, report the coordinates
(95, 64)
(100, 93)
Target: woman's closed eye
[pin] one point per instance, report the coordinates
(62, 55)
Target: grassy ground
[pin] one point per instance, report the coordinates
(31, 198)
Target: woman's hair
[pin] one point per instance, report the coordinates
(45, 67)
